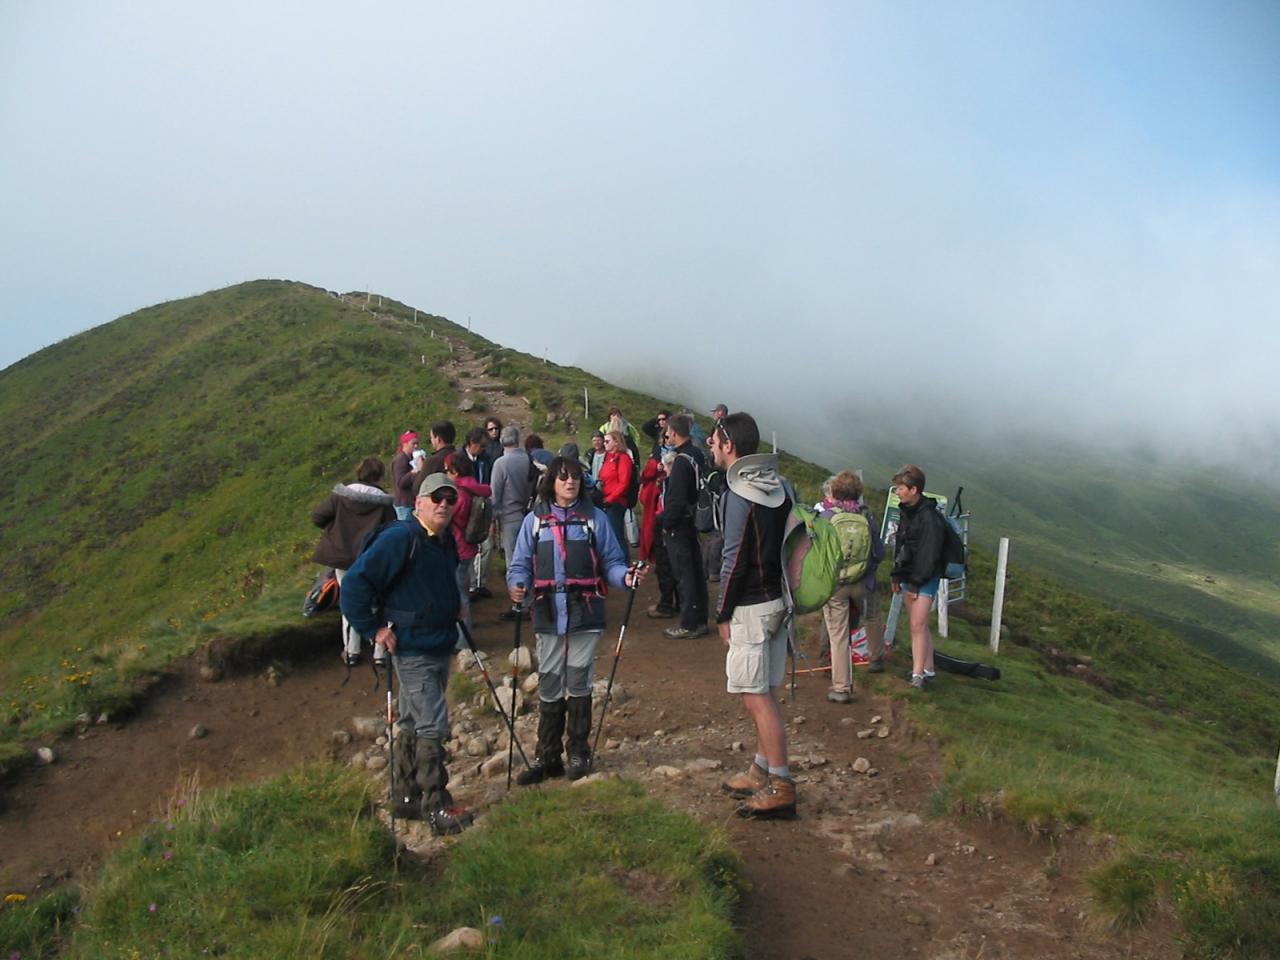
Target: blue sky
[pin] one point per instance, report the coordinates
(1081, 203)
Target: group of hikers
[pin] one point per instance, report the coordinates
(412, 559)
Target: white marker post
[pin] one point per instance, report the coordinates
(1278, 780)
(586, 405)
(944, 601)
(775, 441)
(997, 602)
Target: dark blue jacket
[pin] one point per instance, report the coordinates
(407, 578)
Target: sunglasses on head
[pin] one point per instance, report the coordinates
(443, 496)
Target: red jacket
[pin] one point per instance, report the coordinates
(615, 476)
(467, 488)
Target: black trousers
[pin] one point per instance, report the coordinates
(686, 564)
(667, 596)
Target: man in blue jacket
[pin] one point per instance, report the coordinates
(402, 591)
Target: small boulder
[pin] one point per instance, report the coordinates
(477, 747)
(667, 773)
(340, 738)
(211, 673)
(464, 938)
(45, 756)
(367, 727)
(198, 732)
(495, 766)
(504, 701)
(376, 762)
(861, 765)
(521, 659)
(882, 732)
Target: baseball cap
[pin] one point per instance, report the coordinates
(434, 482)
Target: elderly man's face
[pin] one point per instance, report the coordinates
(436, 510)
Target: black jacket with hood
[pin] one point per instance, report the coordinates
(917, 552)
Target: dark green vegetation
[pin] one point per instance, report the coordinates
(155, 491)
(299, 867)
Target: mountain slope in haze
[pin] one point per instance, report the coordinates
(1196, 553)
(155, 493)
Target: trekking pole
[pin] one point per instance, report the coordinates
(515, 661)
(617, 654)
(484, 672)
(391, 778)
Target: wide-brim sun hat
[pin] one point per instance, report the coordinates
(755, 478)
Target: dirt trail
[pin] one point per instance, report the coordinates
(851, 877)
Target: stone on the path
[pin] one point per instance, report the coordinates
(882, 732)
(932, 860)
(814, 762)
(595, 778)
(210, 673)
(864, 734)
(465, 661)
(702, 765)
(376, 762)
(617, 696)
(529, 686)
(496, 766)
(667, 773)
(612, 744)
(737, 746)
(861, 765)
(45, 756)
(522, 659)
(464, 938)
(84, 719)
(504, 701)
(198, 732)
(659, 734)
(273, 675)
(877, 718)
(380, 740)
(367, 727)
(104, 718)
(340, 738)
(477, 747)
(466, 405)
(798, 721)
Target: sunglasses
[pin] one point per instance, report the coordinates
(443, 496)
(491, 429)
(566, 476)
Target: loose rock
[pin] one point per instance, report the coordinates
(477, 747)
(45, 756)
(210, 673)
(495, 766)
(340, 738)
(464, 938)
(522, 659)
(612, 744)
(877, 718)
(504, 701)
(861, 765)
(199, 731)
(367, 727)
(702, 765)
(932, 860)
(376, 762)
(882, 732)
(667, 773)
(530, 685)
(864, 734)
(737, 746)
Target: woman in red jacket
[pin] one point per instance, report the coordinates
(614, 482)
(461, 471)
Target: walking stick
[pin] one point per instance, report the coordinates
(617, 655)
(484, 672)
(515, 660)
(391, 777)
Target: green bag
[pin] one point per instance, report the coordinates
(812, 557)
(855, 545)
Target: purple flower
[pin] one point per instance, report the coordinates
(495, 920)
(151, 908)
(168, 854)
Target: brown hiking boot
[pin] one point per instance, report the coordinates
(743, 785)
(775, 800)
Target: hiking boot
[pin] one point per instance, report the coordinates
(775, 800)
(579, 730)
(549, 758)
(839, 696)
(658, 611)
(448, 820)
(351, 659)
(743, 785)
(684, 633)
(876, 666)
(917, 681)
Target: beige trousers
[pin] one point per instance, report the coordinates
(837, 614)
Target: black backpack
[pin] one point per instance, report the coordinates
(479, 520)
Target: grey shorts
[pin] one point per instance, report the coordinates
(757, 658)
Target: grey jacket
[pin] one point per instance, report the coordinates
(510, 485)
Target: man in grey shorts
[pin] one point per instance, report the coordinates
(751, 611)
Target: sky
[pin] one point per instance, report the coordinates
(1044, 217)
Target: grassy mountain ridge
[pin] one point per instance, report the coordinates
(162, 471)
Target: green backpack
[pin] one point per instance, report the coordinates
(812, 556)
(855, 545)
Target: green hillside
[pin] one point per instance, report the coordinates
(1196, 553)
(155, 491)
